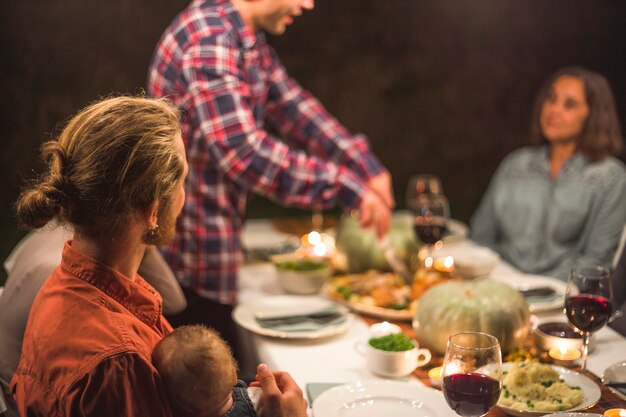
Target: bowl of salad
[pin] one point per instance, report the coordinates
(301, 275)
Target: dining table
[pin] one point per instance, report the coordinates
(333, 359)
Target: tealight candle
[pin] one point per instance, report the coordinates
(444, 264)
(563, 355)
(434, 375)
(615, 412)
(383, 329)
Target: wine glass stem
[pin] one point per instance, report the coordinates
(586, 339)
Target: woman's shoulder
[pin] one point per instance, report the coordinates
(528, 159)
(609, 172)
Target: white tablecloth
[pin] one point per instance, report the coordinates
(336, 360)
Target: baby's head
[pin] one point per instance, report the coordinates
(198, 371)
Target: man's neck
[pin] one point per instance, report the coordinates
(246, 8)
(122, 253)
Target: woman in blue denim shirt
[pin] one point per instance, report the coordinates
(561, 202)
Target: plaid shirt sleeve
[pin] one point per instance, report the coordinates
(296, 114)
(256, 160)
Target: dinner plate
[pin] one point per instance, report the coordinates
(282, 305)
(527, 281)
(616, 373)
(590, 389)
(384, 398)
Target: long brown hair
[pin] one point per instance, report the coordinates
(115, 157)
(601, 135)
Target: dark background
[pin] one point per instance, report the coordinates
(440, 86)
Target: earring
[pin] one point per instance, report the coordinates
(153, 231)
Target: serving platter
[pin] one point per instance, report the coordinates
(363, 293)
(590, 389)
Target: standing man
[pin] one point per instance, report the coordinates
(214, 63)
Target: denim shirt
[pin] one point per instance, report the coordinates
(242, 404)
(545, 226)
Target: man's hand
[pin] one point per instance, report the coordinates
(281, 395)
(375, 213)
(381, 185)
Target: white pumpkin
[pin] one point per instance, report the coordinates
(484, 306)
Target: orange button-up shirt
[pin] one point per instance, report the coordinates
(88, 344)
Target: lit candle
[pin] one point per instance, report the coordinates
(383, 329)
(444, 264)
(564, 355)
(435, 376)
(615, 412)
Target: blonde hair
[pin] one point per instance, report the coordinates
(197, 368)
(115, 157)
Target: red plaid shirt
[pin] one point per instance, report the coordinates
(231, 86)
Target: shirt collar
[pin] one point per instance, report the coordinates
(577, 161)
(137, 296)
(246, 37)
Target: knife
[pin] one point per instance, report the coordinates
(537, 292)
(616, 384)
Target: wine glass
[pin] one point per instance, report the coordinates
(421, 184)
(472, 373)
(588, 303)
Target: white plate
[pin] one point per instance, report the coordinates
(590, 389)
(616, 373)
(384, 398)
(537, 304)
(245, 315)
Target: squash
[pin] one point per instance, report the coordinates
(357, 249)
(484, 306)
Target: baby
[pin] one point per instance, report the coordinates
(200, 375)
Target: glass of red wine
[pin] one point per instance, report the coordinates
(472, 373)
(588, 303)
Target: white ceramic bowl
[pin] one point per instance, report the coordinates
(475, 263)
(301, 282)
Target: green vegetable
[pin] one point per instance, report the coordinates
(302, 265)
(344, 291)
(398, 306)
(397, 342)
(358, 249)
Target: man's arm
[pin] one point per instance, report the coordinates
(246, 153)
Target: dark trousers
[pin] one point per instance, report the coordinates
(218, 317)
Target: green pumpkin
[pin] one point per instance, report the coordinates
(357, 249)
(484, 306)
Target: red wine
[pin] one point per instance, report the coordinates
(588, 312)
(471, 395)
(429, 233)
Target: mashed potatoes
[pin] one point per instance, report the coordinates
(534, 386)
